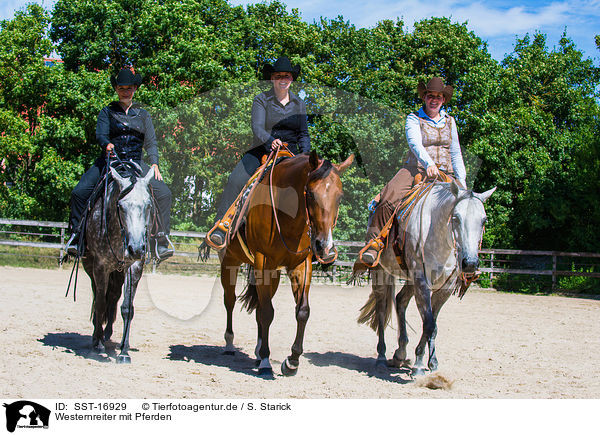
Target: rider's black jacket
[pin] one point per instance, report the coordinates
(130, 132)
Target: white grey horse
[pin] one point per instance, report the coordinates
(116, 240)
(441, 244)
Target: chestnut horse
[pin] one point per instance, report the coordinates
(290, 219)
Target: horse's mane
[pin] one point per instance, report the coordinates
(322, 171)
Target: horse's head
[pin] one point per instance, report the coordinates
(467, 222)
(323, 196)
(133, 208)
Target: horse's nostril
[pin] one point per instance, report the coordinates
(318, 245)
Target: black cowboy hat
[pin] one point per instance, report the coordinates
(282, 64)
(436, 84)
(126, 78)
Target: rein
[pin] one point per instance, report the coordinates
(276, 151)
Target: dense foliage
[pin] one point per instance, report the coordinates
(529, 124)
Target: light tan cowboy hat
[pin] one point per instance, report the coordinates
(436, 84)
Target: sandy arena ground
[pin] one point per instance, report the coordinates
(490, 344)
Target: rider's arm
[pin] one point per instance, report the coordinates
(103, 129)
(415, 141)
(303, 137)
(458, 164)
(259, 117)
(150, 139)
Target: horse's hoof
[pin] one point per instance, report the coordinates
(381, 363)
(286, 370)
(265, 372)
(418, 371)
(229, 352)
(123, 359)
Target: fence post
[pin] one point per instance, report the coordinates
(553, 272)
(492, 267)
(62, 244)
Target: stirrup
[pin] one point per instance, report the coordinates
(376, 244)
(222, 225)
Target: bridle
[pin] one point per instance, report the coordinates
(306, 209)
(466, 278)
(133, 177)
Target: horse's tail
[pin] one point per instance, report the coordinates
(368, 312)
(249, 297)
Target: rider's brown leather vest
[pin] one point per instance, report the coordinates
(437, 143)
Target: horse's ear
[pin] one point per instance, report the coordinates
(455, 188)
(313, 160)
(345, 164)
(123, 182)
(148, 176)
(485, 195)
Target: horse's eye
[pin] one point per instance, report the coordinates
(310, 195)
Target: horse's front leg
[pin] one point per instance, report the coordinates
(300, 278)
(115, 283)
(438, 299)
(132, 278)
(266, 284)
(100, 285)
(423, 299)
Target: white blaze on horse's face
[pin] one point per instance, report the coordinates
(134, 209)
(467, 220)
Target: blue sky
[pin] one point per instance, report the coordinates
(499, 22)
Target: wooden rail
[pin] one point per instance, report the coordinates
(493, 261)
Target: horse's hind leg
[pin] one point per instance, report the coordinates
(402, 299)
(383, 289)
(229, 273)
(132, 278)
(300, 278)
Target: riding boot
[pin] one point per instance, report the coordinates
(370, 254)
(164, 247)
(72, 245)
(216, 238)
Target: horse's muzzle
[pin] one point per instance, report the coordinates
(136, 252)
(470, 265)
(324, 255)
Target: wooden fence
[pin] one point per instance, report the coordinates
(51, 235)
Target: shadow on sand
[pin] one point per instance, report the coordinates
(214, 356)
(360, 364)
(80, 345)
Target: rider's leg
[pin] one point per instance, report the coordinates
(79, 199)
(391, 195)
(162, 195)
(237, 180)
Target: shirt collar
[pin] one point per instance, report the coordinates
(423, 115)
(270, 94)
(116, 107)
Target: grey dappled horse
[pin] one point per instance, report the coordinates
(116, 240)
(443, 234)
